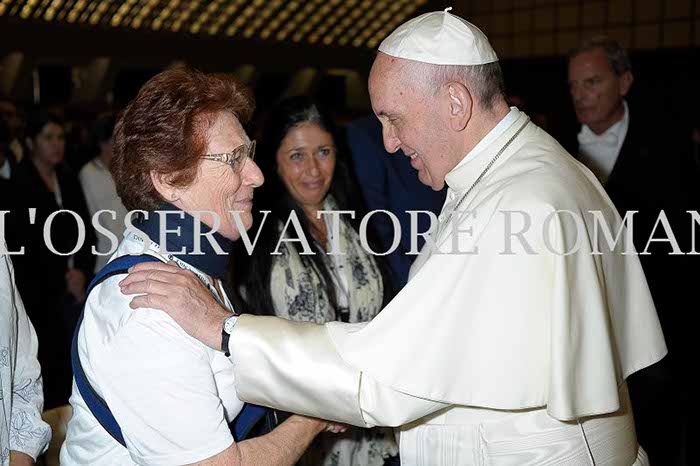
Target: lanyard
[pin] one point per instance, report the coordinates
(446, 223)
(215, 288)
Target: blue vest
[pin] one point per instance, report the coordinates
(247, 419)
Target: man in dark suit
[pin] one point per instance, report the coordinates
(388, 182)
(649, 176)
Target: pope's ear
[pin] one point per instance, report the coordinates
(460, 105)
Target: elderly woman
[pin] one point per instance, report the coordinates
(306, 173)
(179, 148)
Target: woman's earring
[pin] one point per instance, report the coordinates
(173, 196)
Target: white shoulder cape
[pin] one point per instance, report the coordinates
(519, 330)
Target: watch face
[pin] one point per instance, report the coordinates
(229, 323)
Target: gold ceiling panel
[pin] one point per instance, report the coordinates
(358, 23)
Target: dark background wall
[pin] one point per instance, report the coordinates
(87, 69)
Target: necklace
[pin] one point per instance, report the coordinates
(481, 176)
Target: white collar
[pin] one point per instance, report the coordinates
(469, 168)
(492, 135)
(610, 136)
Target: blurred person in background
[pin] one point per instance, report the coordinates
(23, 434)
(644, 165)
(388, 182)
(52, 284)
(306, 172)
(100, 191)
(6, 171)
(695, 143)
(12, 125)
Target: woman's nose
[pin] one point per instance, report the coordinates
(312, 166)
(252, 175)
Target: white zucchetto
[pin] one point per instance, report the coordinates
(439, 38)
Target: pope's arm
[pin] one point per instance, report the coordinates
(295, 366)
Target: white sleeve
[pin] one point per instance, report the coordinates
(384, 406)
(294, 366)
(29, 434)
(159, 385)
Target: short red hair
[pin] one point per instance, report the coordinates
(164, 130)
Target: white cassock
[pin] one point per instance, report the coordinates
(515, 354)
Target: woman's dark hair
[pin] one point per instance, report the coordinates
(38, 118)
(253, 272)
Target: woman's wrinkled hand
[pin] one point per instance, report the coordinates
(180, 294)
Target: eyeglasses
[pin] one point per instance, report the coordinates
(236, 158)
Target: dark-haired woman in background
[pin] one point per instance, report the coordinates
(52, 285)
(306, 173)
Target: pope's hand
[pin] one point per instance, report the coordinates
(181, 295)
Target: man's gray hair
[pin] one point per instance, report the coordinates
(615, 53)
(485, 82)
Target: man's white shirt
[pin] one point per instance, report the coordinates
(599, 152)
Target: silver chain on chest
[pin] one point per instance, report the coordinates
(481, 175)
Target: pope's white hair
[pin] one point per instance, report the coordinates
(485, 82)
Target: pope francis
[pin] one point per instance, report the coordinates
(511, 342)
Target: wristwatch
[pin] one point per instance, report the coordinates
(226, 330)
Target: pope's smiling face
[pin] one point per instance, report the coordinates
(412, 118)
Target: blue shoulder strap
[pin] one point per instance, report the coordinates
(249, 416)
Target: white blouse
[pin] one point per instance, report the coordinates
(172, 395)
(21, 396)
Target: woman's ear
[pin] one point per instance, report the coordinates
(162, 184)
